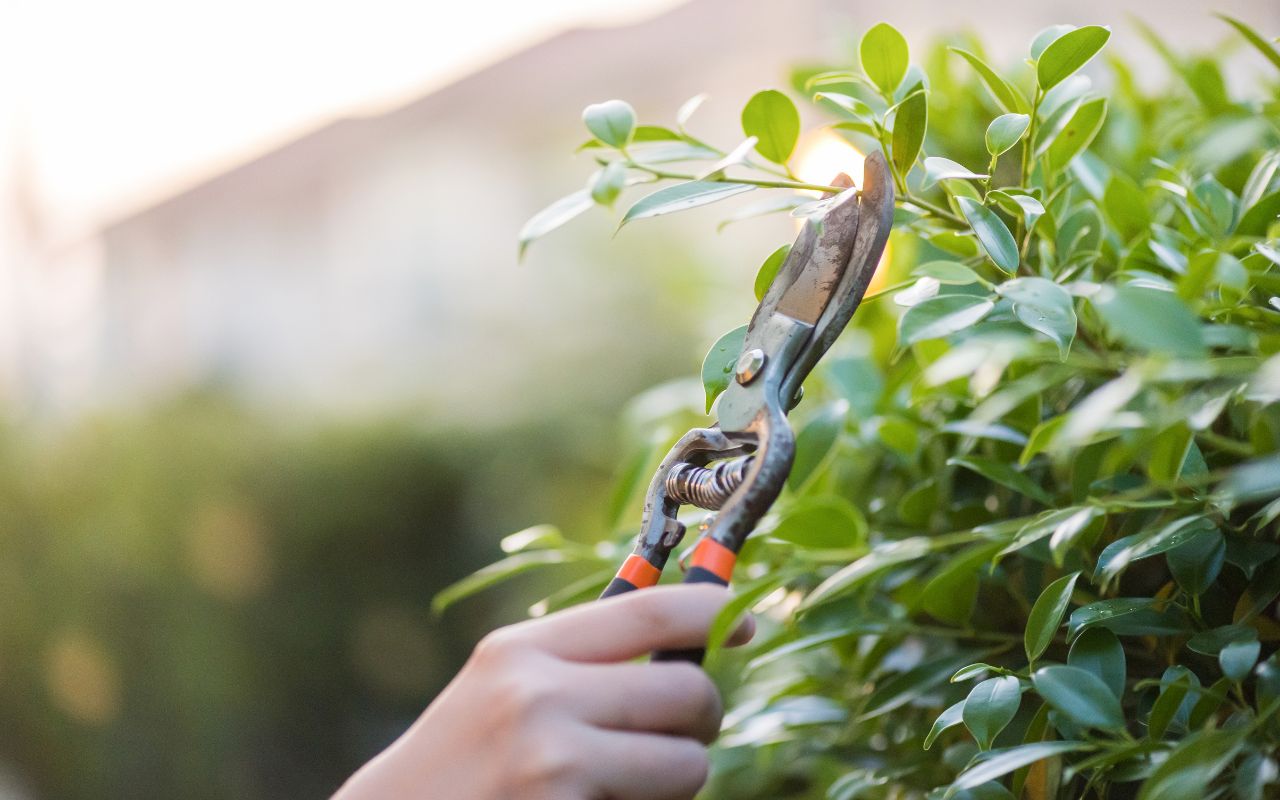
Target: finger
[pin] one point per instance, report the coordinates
(673, 698)
(629, 625)
(646, 766)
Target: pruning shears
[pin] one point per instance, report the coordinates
(737, 467)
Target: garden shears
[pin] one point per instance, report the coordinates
(737, 467)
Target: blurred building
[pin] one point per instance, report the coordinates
(372, 263)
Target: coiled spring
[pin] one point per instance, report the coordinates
(706, 487)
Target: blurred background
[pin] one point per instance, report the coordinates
(270, 375)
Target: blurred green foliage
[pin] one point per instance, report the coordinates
(198, 601)
(1029, 547)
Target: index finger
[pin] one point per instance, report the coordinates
(630, 625)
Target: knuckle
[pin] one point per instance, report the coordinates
(546, 762)
(497, 648)
(533, 692)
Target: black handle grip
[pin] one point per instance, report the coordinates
(693, 655)
(617, 586)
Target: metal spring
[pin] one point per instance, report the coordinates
(706, 487)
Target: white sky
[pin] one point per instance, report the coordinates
(115, 103)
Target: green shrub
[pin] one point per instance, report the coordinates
(1029, 545)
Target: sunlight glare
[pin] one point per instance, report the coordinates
(820, 156)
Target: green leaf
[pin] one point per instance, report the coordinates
(1004, 474)
(1257, 219)
(1259, 179)
(1080, 696)
(949, 272)
(855, 785)
(997, 763)
(815, 440)
(1259, 43)
(1002, 91)
(909, 125)
(1046, 615)
(1043, 306)
(643, 134)
(1168, 452)
(975, 670)
(1263, 588)
(1047, 37)
(1149, 320)
(688, 108)
(1195, 564)
(904, 687)
(728, 618)
(1099, 651)
(1166, 706)
(1041, 439)
(771, 117)
(720, 362)
(681, 197)
(992, 234)
(990, 706)
(884, 556)
(612, 122)
(607, 183)
(1192, 766)
(1252, 481)
(884, 56)
(538, 537)
(1077, 134)
(937, 169)
(1127, 616)
(1005, 131)
(822, 522)
(1018, 202)
(1211, 642)
(1069, 530)
(849, 106)
(947, 719)
(1237, 659)
(553, 216)
(941, 316)
(661, 152)
(496, 573)
(769, 270)
(952, 591)
(1116, 556)
(983, 430)
(1126, 205)
(1068, 53)
(1249, 554)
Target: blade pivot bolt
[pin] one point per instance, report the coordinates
(749, 365)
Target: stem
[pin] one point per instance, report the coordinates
(936, 210)
(959, 633)
(1031, 137)
(1223, 443)
(815, 187)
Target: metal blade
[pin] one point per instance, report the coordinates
(863, 256)
(814, 285)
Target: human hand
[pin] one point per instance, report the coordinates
(555, 708)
